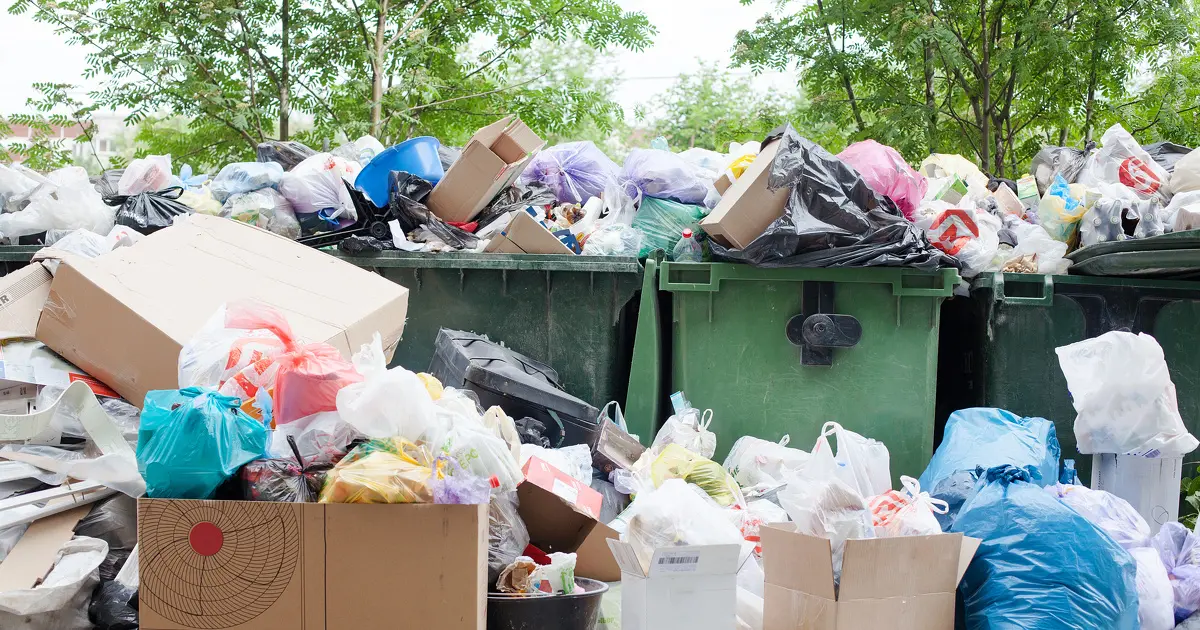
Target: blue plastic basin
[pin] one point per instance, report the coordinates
(418, 156)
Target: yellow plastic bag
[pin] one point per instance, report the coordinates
(739, 165)
(432, 385)
(676, 462)
(391, 470)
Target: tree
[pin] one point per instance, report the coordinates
(240, 71)
(44, 150)
(990, 78)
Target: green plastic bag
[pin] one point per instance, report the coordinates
(662, 222)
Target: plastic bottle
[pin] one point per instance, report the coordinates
(687, 249)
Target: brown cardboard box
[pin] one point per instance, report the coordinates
(556, 523)
(747, 207)
(524, 235)
(904, 583)
(248, 565)
(492, 159)
(123, 317)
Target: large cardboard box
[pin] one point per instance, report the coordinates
(492, 160)
(904, 583)
(560, 513)
(747, 207)
(684, 588)
(123, 317)
(526, 235)
(248, 565)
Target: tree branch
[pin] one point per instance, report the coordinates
(408, 25)
(479, 95)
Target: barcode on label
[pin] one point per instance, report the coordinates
(678, 563)
(689, 560)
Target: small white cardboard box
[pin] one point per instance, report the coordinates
(684, 588)
(1150, 485)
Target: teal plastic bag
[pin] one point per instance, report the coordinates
(191, 440)
(662, 222)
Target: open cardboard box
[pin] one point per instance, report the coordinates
(904, 583)
(489, 163)
(747, 206)
(253, 565)
(560, 513)
(526, 235)
(683, 588)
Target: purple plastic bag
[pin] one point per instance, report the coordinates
(1177, 547)
(664, 175)
(574, 171)
(457, 486)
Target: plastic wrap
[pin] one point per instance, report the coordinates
(676, 462)
(886, 172)
(392, 470)
(574, 171)
(1124, 397)
(1050, 162)
(662, 222)
(192, 440)
(1041, 566)
(240, 177)
(266, 208)
(665, 175)
(507, 534)
(284, 153)
(986, 437)
(832, 219)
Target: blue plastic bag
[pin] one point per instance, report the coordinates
(986, 437)
(191, 440)
(574, 171)
(240, 177)
(1041, 566)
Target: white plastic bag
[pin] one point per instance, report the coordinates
(1186, 177)
(318, 183)
(216, 353)
(1156, 597)
(908, 512)
(1122, 160)
(972, 236)
(675, 514)
(826, 507)
(67, 201)
(1183, 213)
(1124, 397)
(389, 403)
(1107, 511)
(864, 464)
(146, 174)
(504, 427)
(754, 462)
(239, 177)
(60, 602)
(1034, 239)
(482, 453)
(687, 428)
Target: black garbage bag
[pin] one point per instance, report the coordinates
(832, 218)
(406, 203)
(534, 431)
(356, 245)
(114, 521)
(1065, 161)
(284, 153)
(516, 197)
(1166, 154)
(148, 212)
(114, 606)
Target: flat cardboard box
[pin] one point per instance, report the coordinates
(684, 588)
(123, 317)
(904, 583)
(561, 516)
(747, 207)
(249, 565)
(37, 550)
(1150, 485)
(493, 158)
(524, 235)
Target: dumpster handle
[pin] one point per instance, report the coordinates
(1046, 299)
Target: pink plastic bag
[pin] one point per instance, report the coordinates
(303, 380)
(886, 172)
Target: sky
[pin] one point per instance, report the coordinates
(690, 32)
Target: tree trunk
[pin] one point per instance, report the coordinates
(377, 69)
(841, 69)
(284, 88)
(1090, 107)
(930, 102)
(985, 76)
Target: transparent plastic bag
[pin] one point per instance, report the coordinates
(286, 153)
(1156, 597)
(1186, 177)
(67, 200)
(15, 187)
(1177, 548)
(864, 464)
(1107, 511)
(665, 175)
(825, 507)
(1123, 161)
(482, 453)
(688, 428)
(907, 512)
(754, 462)
(677, 514)
(149, 174)
(575, 461)
(318, 185)
(662, 223)
(192, 440)
(453, 485)
(112, 520)
(217, 353)
(240, 177)
(986, 437)
(1052, 162)
(1059, 211)
(1124, 397)
(389, 403)
(886, 172)
(574, 171)
(392, 470)
(613, 240)
(676, 462)
(265, 208)
(201, 201)
(322, 438)
(507, 534)
(362, 150)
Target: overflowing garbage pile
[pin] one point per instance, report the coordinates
(782, 202)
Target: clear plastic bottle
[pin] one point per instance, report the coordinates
(688, 249)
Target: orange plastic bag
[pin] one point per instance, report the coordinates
(301, 381)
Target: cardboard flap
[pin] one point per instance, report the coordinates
(876, 568)
(626, 558)
(553, 523)
(517, 141)
(797, 562)
(694, 560)
(594, 559)
(488, 135)
(969, 547)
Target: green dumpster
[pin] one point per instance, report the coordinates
(13, 257)
(998, 345)
(782, 351)
(576, 313)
